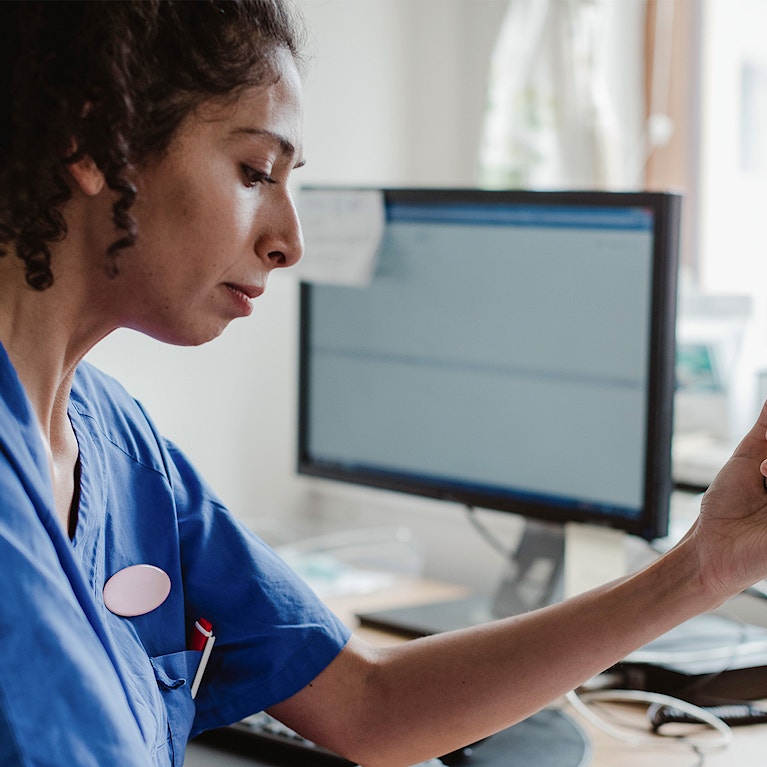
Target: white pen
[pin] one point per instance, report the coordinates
(203, 663)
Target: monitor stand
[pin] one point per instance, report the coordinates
(534, 578)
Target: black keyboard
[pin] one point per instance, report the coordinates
(265, 738)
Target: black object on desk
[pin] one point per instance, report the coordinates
(267, 742)
(420, 620)
(549, 738)
(708, 660)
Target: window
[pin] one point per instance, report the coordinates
(717, 155)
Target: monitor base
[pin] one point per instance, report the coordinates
(549, 738)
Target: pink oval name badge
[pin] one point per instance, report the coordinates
(136, 590)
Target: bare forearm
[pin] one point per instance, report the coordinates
(453, 688)
(429, 696)
(400, 705)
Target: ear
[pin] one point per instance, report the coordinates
(87, 175)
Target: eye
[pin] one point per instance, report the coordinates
(253, 176)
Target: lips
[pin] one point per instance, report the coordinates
(241, 297)
(251, 291)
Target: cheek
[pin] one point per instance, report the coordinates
(212, 239)
(194, 226)
(228, 227)
(216, 211)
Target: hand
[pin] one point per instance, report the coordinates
(731, 531)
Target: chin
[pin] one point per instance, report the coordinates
(184, 336)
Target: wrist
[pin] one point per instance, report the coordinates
(692, 578)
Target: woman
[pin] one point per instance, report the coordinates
(145, 151)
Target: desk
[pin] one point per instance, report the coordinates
(746, 750)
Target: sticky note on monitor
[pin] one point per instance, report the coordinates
(342, 233)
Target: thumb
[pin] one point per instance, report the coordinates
(754, 444)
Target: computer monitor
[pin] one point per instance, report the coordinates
(513, 350)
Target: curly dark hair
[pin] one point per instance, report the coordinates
(112, 80)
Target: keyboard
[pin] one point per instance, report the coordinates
(263, 737)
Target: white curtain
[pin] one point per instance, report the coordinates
(566, 96)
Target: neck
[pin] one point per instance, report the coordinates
(45, 337)
(46, 333)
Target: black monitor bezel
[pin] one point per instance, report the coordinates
(653, 522)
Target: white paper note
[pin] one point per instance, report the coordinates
(342, 234)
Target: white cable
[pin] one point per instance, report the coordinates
(703, 742)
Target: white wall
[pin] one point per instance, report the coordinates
(396, 89)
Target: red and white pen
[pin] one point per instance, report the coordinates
(202, 639)
(202, 630)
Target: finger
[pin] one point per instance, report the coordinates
(754, 444)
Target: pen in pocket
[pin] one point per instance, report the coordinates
(202, 639)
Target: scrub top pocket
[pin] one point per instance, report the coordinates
(174, 674)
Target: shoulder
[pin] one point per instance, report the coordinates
(111, 413)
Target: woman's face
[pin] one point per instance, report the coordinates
(215, 215)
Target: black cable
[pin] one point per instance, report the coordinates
(489, 537)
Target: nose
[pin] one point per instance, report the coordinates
(281, 242)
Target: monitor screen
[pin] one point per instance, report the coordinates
(512, 350)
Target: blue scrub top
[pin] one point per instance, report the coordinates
(82, 686)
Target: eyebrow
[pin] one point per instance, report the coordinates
(286, 147)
